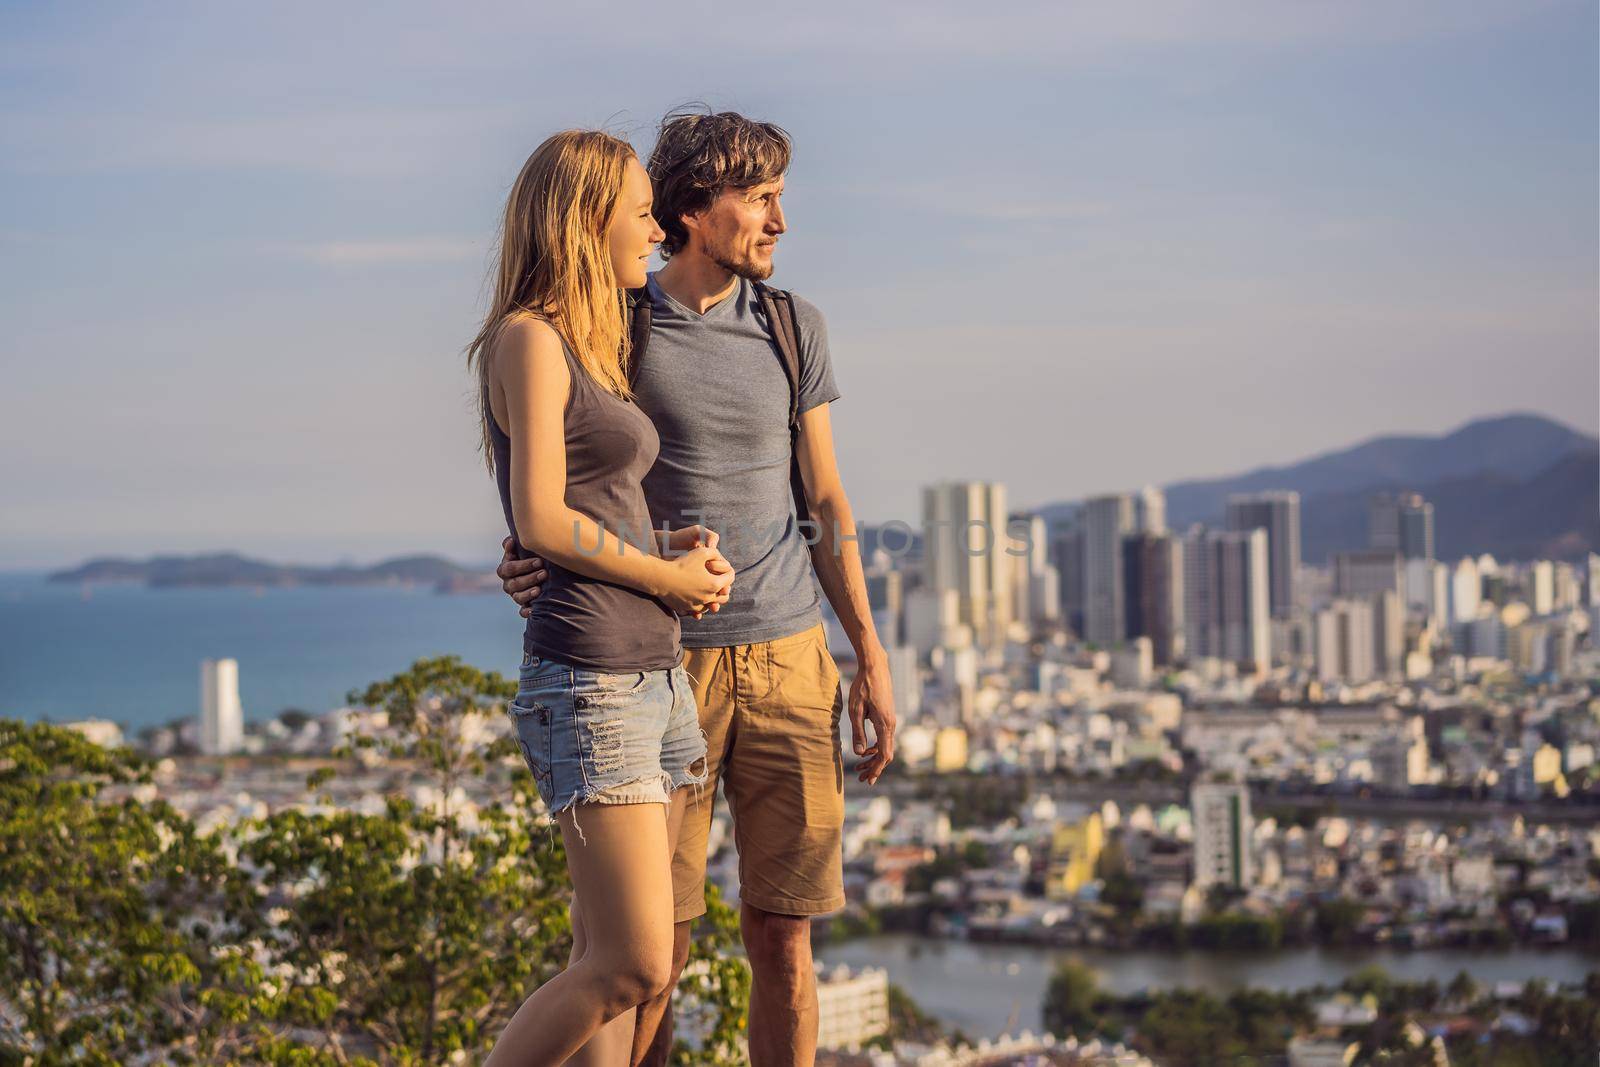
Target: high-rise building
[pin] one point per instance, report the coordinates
(965, 532)
(884, 600)
(221, 716)
(1568, 587)
(1365, 574)
(1222, 830)
(905, 676)
(932, 619)
(1428, 589)
(1361, 638)
(1150, 511)
(1484, 636)
(1401, 523)
(1388, 634)
(1542, 587)
(1106, 521)
(1035, 594)
(1345, 642)
(1199, 590)
(1225, 600)
(1242, 599)
(1066, 553)
(1278, 513)
(1416, 530)
(1592, 584)
(1152, 572)
(1466, 591)
(1044, 597)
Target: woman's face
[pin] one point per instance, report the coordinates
(634, 233)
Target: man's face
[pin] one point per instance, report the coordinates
(740, 229)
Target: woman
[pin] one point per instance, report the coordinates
(603, 713)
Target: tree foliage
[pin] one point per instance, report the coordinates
(403, 930)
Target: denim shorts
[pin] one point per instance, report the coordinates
(602, 738)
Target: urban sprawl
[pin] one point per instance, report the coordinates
(1118, 734)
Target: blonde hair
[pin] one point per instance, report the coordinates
(555, 259)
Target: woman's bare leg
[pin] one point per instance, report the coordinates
(650, 1013)
(627, 955)
(612, 1046)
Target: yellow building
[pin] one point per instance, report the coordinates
(950, 750)
(1074, 851)
(1546, 764)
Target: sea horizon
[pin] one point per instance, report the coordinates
(131, 654)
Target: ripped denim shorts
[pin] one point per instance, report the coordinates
(603, 738)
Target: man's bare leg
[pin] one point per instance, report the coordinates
(659, 1050)
(783, 992)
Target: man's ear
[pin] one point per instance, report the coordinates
(690, 223)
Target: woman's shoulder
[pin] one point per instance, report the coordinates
(527, 340)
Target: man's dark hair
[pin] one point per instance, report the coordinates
(699, 153)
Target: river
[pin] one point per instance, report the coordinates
(989, 989)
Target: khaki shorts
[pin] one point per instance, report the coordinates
(770, 711)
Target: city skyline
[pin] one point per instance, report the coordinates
(1246, 235)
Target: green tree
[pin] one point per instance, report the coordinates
(312, 937)
(110, 944)
(1337, 921)
(1238, 932)
(1463, 988)
(430, 922)
(1072, 1000)
(1188, 1029)
(908, 1022)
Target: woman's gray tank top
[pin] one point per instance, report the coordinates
(589, 622)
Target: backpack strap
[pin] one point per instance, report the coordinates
(778, 306)
(639, 314)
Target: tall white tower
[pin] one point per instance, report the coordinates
(1220, 812)
(221, 717)
(966, 536)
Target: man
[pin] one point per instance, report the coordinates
(712, 380)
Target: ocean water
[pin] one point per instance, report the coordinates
(132, 655)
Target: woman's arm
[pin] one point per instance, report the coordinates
(532, 374)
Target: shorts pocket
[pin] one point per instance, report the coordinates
(531, 722)
(830, 669)
(803, 678)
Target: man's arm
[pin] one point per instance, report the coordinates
(837, 559)
(523, 578)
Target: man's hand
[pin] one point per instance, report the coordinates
(872, 700)
(522, 579)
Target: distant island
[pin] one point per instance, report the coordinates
(231, 569)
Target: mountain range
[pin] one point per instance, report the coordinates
(1516, 486)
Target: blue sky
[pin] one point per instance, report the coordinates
(1069, 247)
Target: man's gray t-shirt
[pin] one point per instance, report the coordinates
(715, 387)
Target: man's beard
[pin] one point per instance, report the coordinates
(744, 268)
